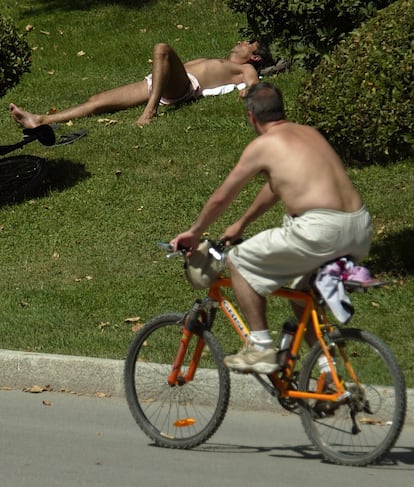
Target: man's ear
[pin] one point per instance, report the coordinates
(254, 122)
(252, 118)
(255, 58)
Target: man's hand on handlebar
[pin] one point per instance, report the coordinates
(232, 234)
(187, 240)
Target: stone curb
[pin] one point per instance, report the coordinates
(83, 375)
(86, 375)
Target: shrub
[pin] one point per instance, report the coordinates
(14, 55)
(304, 30)
(362, 96)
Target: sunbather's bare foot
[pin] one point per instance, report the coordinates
(26, 119)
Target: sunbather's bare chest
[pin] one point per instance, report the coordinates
(211, 73)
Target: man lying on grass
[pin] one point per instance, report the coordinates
(170, 83)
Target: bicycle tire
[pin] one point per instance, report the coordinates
(20, 176)
(379, 408)
(180, 416)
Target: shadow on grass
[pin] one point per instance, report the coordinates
(69, 5)
(394, 254)
(61, 175)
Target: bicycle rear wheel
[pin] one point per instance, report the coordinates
(19, 176)
(179, 416)
(364, 426)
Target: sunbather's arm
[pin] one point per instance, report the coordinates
(250, 77)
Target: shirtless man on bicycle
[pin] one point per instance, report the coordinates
(325, 217)
(171, 82)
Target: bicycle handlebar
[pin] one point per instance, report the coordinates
(169, 248)
(217, 249)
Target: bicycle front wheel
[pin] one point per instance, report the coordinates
(364, 426)
(20, 176)
(183, 415)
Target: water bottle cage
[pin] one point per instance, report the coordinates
(288, 355)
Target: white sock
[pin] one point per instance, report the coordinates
(262, 340)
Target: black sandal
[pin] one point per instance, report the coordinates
(70, 138)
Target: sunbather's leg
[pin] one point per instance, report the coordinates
(169, 80)
(120, 98)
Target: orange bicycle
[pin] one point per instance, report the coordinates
(178, 387)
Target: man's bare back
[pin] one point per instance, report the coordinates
(303, 170)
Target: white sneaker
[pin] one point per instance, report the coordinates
(252, 360)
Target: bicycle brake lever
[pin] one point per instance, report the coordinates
(179, 253)
(167, 246)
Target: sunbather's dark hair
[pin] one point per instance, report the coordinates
(265, 101)
(266, 58)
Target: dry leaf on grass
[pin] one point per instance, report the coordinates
(102, 325)
(133, 319)
(107, 121)
(137, 324)
(136, 327)
(87, 278)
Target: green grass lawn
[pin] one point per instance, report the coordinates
(81, 259)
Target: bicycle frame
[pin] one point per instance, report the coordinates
(182, 403)
(281, 382)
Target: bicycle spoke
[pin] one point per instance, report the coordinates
(362, 427)
(184, 415)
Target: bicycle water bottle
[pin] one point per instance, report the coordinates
(285, 340)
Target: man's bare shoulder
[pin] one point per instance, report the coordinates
(285, 130)
(259, 150)
(272, 145)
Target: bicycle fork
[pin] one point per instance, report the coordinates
(189, 329)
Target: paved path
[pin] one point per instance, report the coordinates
(66, 440)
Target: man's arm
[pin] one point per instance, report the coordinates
(263, 201)
(250, 78)
(245, 170)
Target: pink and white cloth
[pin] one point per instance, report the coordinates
(330, 283)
